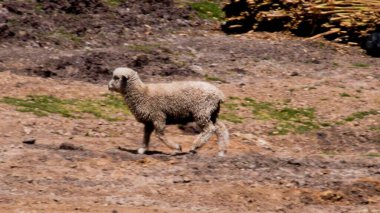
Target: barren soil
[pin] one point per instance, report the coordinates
(89, 164)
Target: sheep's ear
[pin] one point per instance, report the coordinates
(123, 82)
(124, 78)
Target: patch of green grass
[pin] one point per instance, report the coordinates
(109, 108)
(113, 3)
(233, 98)
(325, 124)
(343, 94)
(361, 65)
(295, 114)
(231, 106)
(231, 117)
(145, 48)
(295, 120)
(260, 109)
(208, 10)
(39, 105)
(289, 120)
(373, 155)
(213, 78)
(63, 34)
(360, 115)
(375, 128)
(39, 7)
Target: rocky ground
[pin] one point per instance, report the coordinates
(303, 115)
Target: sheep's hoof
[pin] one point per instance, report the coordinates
(141, 151)
(221, 153)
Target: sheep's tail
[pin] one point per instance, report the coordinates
(222, 97)
(215, 113)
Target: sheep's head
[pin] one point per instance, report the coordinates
(120, 78)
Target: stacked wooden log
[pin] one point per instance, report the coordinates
(340, 20)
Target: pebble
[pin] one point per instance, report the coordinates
(373, 152)
(69, 146)
(27, 130)
(178, 179)
(29, 141)
(197, 69)
(186, 179)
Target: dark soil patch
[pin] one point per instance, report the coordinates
(340, 139)
(97, 66)
(71, 23)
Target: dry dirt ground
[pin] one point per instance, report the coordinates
(276, 162)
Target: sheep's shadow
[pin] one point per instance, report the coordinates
(134, 151)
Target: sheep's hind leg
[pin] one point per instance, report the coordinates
(148, 129)
(160, 127)
(223, 137)
(207, 131)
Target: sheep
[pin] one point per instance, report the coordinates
(159, 104)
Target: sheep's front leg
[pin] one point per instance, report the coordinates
(148, 129)
(160, 129)
(207, 131)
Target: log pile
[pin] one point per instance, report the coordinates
(339, 20)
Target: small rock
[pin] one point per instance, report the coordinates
(373, 152)
(331, 196)
(263, 143)
(27, 130)
(177, 179)
(197, 69)
(294, 74)
(288, 185)
(29, 141)
(67, 134)
(69, 146)
(22, 33)
(186, 180)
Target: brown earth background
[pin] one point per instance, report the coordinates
(303, 116)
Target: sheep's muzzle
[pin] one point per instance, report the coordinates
(111, 87)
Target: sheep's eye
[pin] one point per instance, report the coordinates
(115, 78)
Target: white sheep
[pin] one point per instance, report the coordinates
(159, 104)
